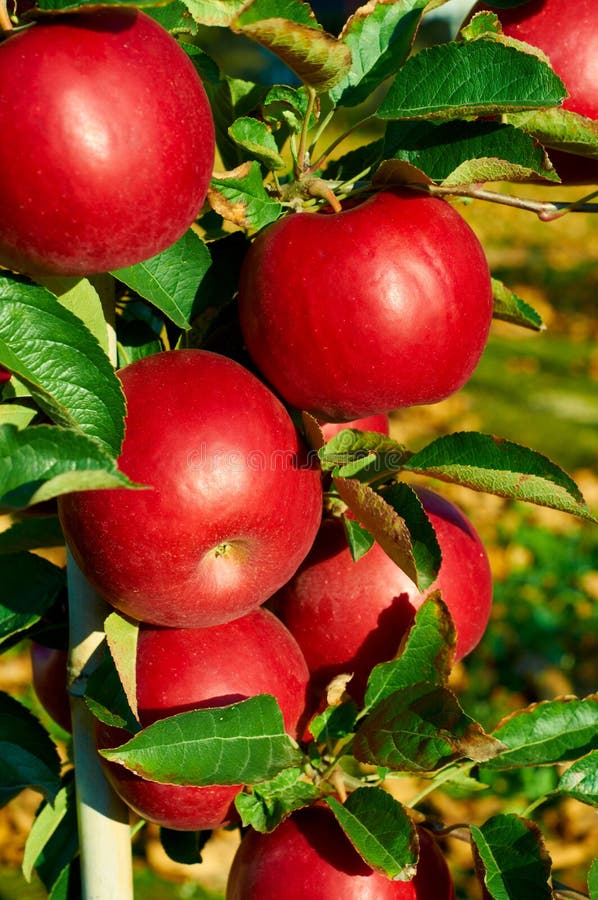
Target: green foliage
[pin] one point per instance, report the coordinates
(459, 115)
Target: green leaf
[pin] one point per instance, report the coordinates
(580, 781)
(484, 462)
(17, 414)
(256, 138)
(380, 830)
(57, 864)
(171, 280)
(269, 803)
(106, 698)
(83, 297)
(358, 538)
(68, 885)
(477, 78)
(174, 17)
(424, 543)
(184, 846)
(293, 11)
(549, 732)
(30, 585)
(511, 858)
(427, 655)
(560, 128)
(60, 361)
(214, 12)
(385, 525)
(367, 455)
(459, 152)
(286, 104)
(593, 880)
(334, 722)
(240, 197)
(46, 822)
(28, 756)
(380, 37)
(31, 534)
(122, 635)
(421, 728)
(44, 461)
(238, 744)
(318, 59)
(510, 308)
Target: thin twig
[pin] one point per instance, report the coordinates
(545, 210)
(302, 155)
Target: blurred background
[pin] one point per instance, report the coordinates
(537, 389)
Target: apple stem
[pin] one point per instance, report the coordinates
(546, 212)
(5, 21)
(302, 164)
(317, 187)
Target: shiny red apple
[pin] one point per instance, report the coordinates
(377, 423)
(568, 34)
(308, 857)
(49, 672)
(383, 305)
(349, 616)
(233, 506)
(107, 143)
(179, 669)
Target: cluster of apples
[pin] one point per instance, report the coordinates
(346, 315)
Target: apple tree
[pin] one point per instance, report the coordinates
(212, 293)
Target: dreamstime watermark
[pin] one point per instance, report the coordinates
(215, 459)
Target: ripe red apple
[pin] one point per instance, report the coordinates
(383, 305)
(107, 143)
(568, 34)
(309, 856)
(349, 616)
(49, 669)
(377, 423)
(180, 669)
(234, 504)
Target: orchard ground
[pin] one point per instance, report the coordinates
(541, 642)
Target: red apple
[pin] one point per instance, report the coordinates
(568, 34)
(4, 376)
(377, 423)
(308, 857)
(107, 143)
(49, 669)
(349, 616)
(180, 669)
(383, 305)
(234, 504)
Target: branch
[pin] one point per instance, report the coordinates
(546, 211)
